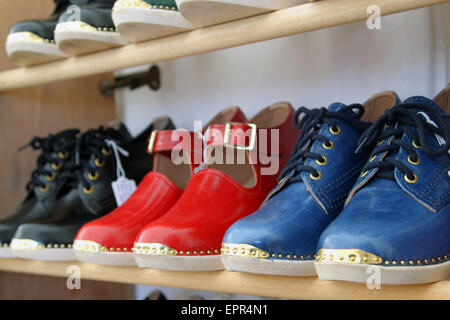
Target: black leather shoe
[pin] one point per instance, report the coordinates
(56, 152)
(93, 30)
(32, 42)
(101, 156)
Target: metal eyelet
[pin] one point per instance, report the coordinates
(363, 174)
(338, 130)
(380, 142)
(99, 163)
(328, 146)
(44, 188)
(50, 177)
(106, 152)
(323, 162)
(63, 155)
(94, 176)
(56, 166)
(410, 160)
(372, 158)
(416, 145)
(88, 191)
(414, 180)
(319, 175)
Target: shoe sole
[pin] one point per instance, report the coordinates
(107, 258)
(174, 263)
(387, 275)
(6, 253)
(45, 254)
(140, 24)
(77, 38)
(27, 49)
(209, 12)
(271, 267)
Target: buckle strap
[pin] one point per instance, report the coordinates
(233, 135)
(168, 140)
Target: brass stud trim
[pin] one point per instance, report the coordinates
(26, 244)
(244, 250)
(354, 256)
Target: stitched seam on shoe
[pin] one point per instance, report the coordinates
(336, 184)
(436, 202)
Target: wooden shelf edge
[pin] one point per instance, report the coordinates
(304, 288)
(295, 20)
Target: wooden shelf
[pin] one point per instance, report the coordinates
(232, 282)
(299, 19)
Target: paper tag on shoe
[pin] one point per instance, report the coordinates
(123, 188)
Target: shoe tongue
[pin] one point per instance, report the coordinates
(423, 101)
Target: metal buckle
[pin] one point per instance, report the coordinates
(227, 136)
(151, 141)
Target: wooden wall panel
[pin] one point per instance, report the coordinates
(39, 111)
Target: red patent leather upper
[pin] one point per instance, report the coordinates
(213, 200)
(155, 195)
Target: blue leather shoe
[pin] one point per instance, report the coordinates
(281, 237)
(395, 226)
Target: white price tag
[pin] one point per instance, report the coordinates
(123, 188)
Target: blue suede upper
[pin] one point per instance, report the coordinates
(395, 219)
(295, 214)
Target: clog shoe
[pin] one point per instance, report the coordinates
(87, 28)
(106, 159)
(395, 226)
(56, 152)
(242, 162)
(32, 42)
(108, 240)
(281, 237)
(139, 20)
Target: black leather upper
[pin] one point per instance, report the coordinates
(43, 28)
(96, 13)
(74, 206)
(39, 200)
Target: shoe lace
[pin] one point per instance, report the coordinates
(392, 125)
(94, 143)
(62, 142)
(310, 124)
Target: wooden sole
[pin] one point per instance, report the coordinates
(209, 12)
(27, 49)
(77, 38)
(140, 24)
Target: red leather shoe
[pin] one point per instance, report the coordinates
(109, 240)
(189, 236)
